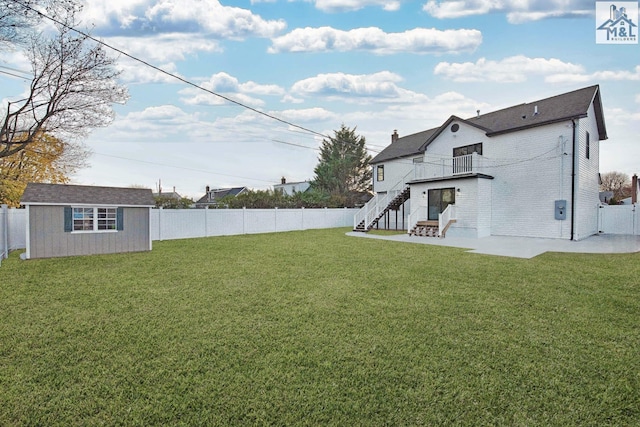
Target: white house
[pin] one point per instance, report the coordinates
(290, 188)
(530, 170)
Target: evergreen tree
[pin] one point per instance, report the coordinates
(343, 169)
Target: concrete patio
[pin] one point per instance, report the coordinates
(522, 247)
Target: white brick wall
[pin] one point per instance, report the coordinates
(531, 169)
(587, 200)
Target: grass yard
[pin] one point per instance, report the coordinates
(317, 328)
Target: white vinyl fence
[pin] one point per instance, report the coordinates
(619, 219)
(167, 224)
(13, 234)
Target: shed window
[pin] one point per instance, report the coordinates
(92, 219)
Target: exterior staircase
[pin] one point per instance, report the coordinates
(425, 229)
(378, 207)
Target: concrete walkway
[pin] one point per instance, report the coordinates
(523, 247)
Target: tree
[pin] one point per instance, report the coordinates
(47, 159)
(73, 88)
(168, 202)
(617, 182)
(16, 19)
(343, 169)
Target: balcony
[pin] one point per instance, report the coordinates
(440, 167)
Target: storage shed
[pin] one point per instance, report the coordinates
(70, 220)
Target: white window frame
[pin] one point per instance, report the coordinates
(95, 218)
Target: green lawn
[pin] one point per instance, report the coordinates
(317, 328)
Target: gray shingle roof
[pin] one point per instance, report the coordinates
(567, 106)
(63, 194)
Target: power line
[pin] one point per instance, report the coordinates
(183, 80)
(181, 167)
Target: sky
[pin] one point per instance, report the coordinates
(312, 65)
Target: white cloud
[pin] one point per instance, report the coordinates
(188, 16)
(512, 69)
(308, 115)
(345, 5)
(351, 88)
(598, 76)
(165, 47)
(517, 11)
(418, 40)
(137, 73)
(638, 98)
(231, 87)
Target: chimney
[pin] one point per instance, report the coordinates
(394, 136)
(283, 180)
(634, 189)
(478, 113)
(207, 188)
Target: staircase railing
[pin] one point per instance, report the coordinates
(445, 219)
(414, 216)
(374, 207)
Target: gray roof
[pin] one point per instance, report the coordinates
(559, 108)
(219, 193)
(62, 194)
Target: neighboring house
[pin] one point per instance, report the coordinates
(605, 197)
(289, 188)
(68, 220)
(213, 197)
(530, 170)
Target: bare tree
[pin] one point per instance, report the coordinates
(16, 19)
(73, 89)
(617, 182)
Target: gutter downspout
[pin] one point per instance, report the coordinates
(573, 181)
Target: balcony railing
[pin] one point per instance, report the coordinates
(438, 167)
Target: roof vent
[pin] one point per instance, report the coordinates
(478, 112)
(535, 110)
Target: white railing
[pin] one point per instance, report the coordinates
(439, 167)
(416, 214)
(374, 207)
(445, 217)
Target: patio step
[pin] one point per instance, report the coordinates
(425, 229)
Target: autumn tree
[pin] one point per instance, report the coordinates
(73, 87)
(47, 159)
(343, 169)
(617, 182)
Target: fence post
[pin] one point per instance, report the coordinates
(206, 221)
(244, 220)
(4, 226)
(160, 223)
(275, 225)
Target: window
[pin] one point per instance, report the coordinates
(587, 148)
(92, 219)
(380, 173)
(468, 149)
(107, 219)
(418, 160)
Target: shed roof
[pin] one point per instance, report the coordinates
(567, 106)
(63, 194)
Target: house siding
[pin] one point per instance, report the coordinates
(47, 237)
(531, 171)
(587, 186)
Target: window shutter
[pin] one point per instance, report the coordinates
(120, 219)
(68, 219)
